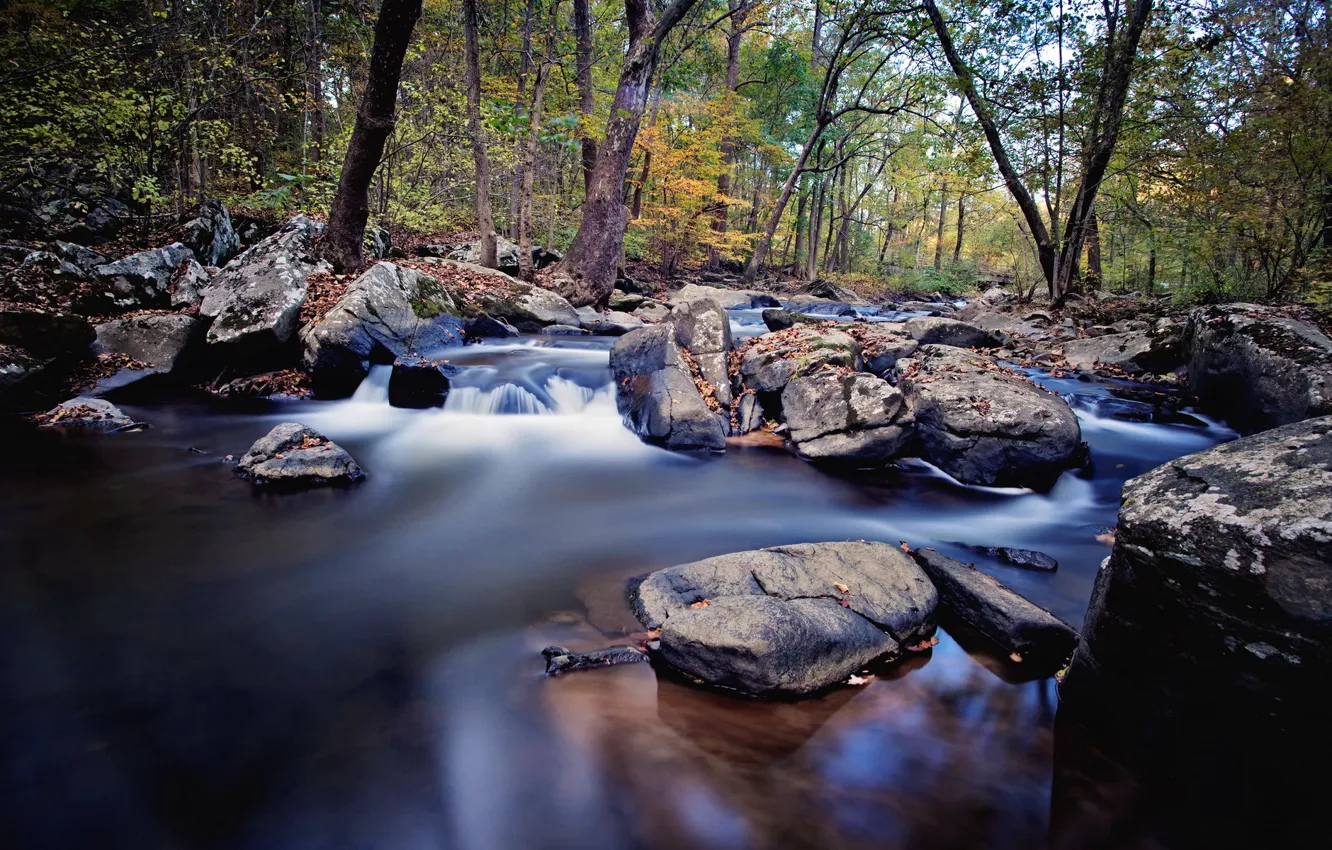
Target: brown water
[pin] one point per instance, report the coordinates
(187, 662)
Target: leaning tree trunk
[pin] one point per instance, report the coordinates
(583, 38)
(775, 218)
(586, 275)
(961, 219)
(374, 123)
(485, 220)
(1092, 278)
(939, 231)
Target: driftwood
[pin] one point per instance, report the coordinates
(560, 660)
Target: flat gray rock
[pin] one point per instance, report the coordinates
(855, 417)
(86, 414)
(293, 454)
(160, 340)
(942, 331)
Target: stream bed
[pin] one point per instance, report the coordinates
(186, 661)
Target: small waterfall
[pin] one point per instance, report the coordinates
(503, 399)
(374, 388)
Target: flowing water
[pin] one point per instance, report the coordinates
(189, 662)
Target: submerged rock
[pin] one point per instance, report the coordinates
(86, 414)
(560, 660)
(1026, 558)
(255, 302)
(853, 417)
(655, 391)
(293, 454)
(210, 236)
(1258, 368)
(1021, 627)
(390, 311)
(983, 426)
(161, 340)
(1213, 614)
(791, 619)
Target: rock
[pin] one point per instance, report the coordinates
(780, 320)
(1214, 611)
(772, 620)
(610, 323)
(774, 358)
(655, 391)
(418, 382)
(833, 292)
(983, 426)
(506, 254)
(139, 281)
(484, 327)
(294, 455)
(101, 224)
(562, 330)
(1134, 352)
(1027, 558)
(45, 334)
(1034, 635)
(704, 329)
(724, 298)
(20, 374)
(929, 307)
(255, 302)
(759, 299)
(53, 265)
(749, 415)
(187, 288)
(84, 259)
(626, 302)
(210, 236)
(940, 331)
(994, 295)
(560, 660)
(628, 284)
(882, 344)
(17, 253)
(377, 241)
(855, 417)
(86, 414)
(387, 312)
(160, 340)
(1258, 368)
(1033, 323)
(528, 308)
(653, 311)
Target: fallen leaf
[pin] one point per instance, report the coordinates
(1015, 658)
(905, 547)
(702, 603)
(841, 587)
(923, 645)
(859, 680)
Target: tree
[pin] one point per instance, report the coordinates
(586, 275)
(1059, 262)
(374, 122)
(485, 220)
(583, 37)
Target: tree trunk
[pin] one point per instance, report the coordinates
(775, 218)
(586, 275)
(583, 37)
(646, 170)
(524, 67)
(939, 231)
(374, 122)
(961, 219)
(526, 268)
(1093, 276)
(484, 219)
(739, 9)
(800, 227)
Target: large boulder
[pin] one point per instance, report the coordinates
(1030, 633)
(210, 236)
(388, 312)
(791, 619)
(161, 340)
(982, 425)
(941, 331)
(724, 298)
(418, 382)
(704, 329)
(84, 259)
(846, 417)
(882, 344)
(1214, 611)
(255, 302)
(293, 455)
(493, 293)
(1134, 352)
(656, 394)
(139, 281)
(1257, 368)
(771, 360)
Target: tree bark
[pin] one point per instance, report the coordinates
(526, 268)
(800, 226)
(736, 28)
(485, 220)
(775, 218)
(961, 219)
(583, 37)
(646, 171)
(1094, 274)
(586, 275)
(939, 231)
(374, 122)
(524, 67)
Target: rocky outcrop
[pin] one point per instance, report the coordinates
(882, 344)
(296, 456)
(984, 426)
(390, 311)
(771, 360)
(210, 236)
(1257, 368)
(528, 308)
(941, 331)
(160, 340)
(1134, 353)
(255, 302)
(656, 394)
(703, 328)
(137, 282)
(791, 619)
(1032, 634)
(1214, 611)
(84, 414)
(846, 417)
(419, 382)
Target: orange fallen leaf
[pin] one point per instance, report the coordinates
(841, 587)
(923, 645)
(702, 603)
(1015, 657)
(905, 547)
